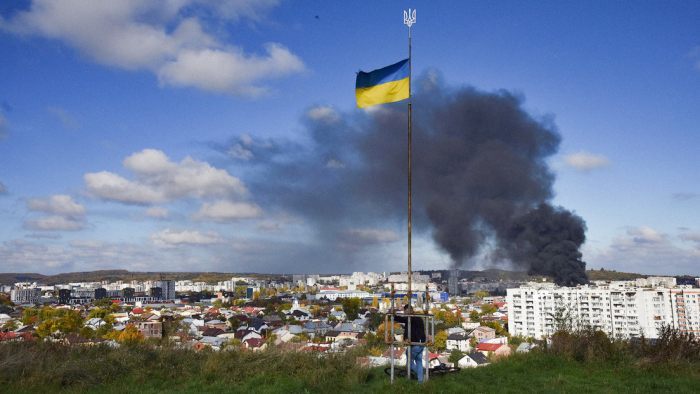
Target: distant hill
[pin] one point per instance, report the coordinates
(123, 275)
(214, 277)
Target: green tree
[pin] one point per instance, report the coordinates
(10, 325)
(455, 356)
(474, 316)
(481, 294)
(29, 316)
(375, 319)
(100, 313)
(87, 332)
(103, 303)
(71, 322)
(351, 306)
(487, 309)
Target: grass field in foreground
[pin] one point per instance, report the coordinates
(31, 368)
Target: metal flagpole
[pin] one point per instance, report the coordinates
(409, 19)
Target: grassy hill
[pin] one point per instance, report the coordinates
(585, 363)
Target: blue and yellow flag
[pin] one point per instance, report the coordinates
(385, 85)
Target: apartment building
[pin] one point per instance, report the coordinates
(618, 308)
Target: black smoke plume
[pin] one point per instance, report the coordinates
(481, 184)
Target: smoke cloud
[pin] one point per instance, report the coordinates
(481, 183)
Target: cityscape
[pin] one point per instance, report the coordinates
(273, 196)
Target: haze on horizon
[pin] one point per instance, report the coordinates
(183, 136)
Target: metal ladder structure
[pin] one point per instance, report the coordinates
(428, 324)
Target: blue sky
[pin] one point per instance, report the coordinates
(155, 135)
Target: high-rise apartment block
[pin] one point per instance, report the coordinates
(167, 289)
(618, 309)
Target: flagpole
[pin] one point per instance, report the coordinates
(409, 19)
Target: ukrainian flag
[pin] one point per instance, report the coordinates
(385, 85)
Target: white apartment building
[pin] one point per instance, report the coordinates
(617, 309)
(403, 277)
(26, 296)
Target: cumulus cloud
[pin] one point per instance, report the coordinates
(157, 179)
(3, 189)
(225, 211)
(167, 38)
(324, 114)
(172, 238)
(67, 120)
(369, 236)
(56, 204)
(67, 215)
(54, 223)
(157, 212)
(584, 161)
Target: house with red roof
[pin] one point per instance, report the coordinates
(255, 344)
(497, 349)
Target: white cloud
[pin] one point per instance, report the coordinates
(157, 212)
(109, 186)
(269, 227)
(26, 257)
(585, 161)
(157, 36)
(646, 251)
(56, 204)
(646, 235)
(369, 236)
(230, 70)
(171, 238)
(239, 152)
(160, 180)
(3, 189)
(54, 223)
(333, 163)
(325, 114)
(68, 120)
(225, 211)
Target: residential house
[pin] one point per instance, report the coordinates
(497, 349)
(473, 360)
(255, 344)
(212, 332)
(340, 315)
(525, 347)
(242, 335)
(150, 329)
(458, 342)
(483, 332)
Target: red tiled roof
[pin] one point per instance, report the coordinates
(489, 347)
(254, 342)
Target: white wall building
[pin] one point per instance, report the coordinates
(26, 296)
(617, 309)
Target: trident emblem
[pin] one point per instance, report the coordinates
(408, 18)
